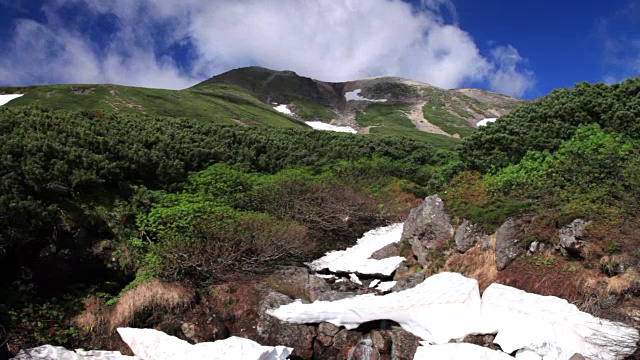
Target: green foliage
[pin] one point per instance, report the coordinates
(435, 113)
(308, 110)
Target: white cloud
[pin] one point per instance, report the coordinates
(334, 40)
(506, 78)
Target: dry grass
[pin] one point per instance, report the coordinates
(476, 264)
(153, 294)
(92, 317)
(623, 283)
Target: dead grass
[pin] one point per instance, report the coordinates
(623, 283)
(476, 264)
(92, 317)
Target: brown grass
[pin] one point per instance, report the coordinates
(92, 317)
(476, 264)
(153, 294)
(623, 283)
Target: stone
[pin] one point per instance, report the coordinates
(344, 341)
(428, 228)
(326, 332)
(271, 331)
(381, 340)
(467, 235)
(49, 352)
(571, 236)
(403, 344)
(299, 278)
(408, 282)
(577, 356)
(508, 243)
(388, 251)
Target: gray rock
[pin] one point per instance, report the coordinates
(467, 235)
(326, 332)
(381, 340)
(403, 344)
(508, 243)
(333, 295)
(344, 341)
(272, 331)
(571, 237)
(428, 228)
(298, 277)
(386, 252)
(364, 350)
(49, 352)
(577, 356)
(408, 282)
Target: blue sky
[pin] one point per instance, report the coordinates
(519, 48)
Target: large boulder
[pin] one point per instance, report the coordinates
(508, 243)
(403, 344)
(408, 282)
(428, 228)
(571, 242)
(467, 235)
(272, 331)
(388, 251)
(49, 352)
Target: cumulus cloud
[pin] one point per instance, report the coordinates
(333, 40)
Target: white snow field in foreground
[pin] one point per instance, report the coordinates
(462, 351)
(283, 109)
(445, 306)
(6, 98)
(355, 96)
(150, 344)
(356, 258)
(319, 125)
(486, 121)
(551, 327)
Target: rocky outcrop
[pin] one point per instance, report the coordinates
(467, 235)
(49, 352)
(571, 243)
(388, 251)
(404, 344)
(408, 282)
(508, 243)
(428, 228)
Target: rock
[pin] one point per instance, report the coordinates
(403, 344)
(150, 344)
(443, 307)
(577, 356)
(49, 352)
(571, 243)
(408, 282)
(381, 340)
(508, 243)
(460, 351)
(388, 251)
(333, 295)
(428, 228)
(344, 341)
(551, 327)
(299, 279)
(364, 350)
(272, 331)
(467, 235)
(326, 332)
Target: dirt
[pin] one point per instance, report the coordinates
(416, 115)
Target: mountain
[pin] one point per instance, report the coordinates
(250, 96)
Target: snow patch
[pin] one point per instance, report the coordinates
(150, 344)
(6, 98)
(486, 121)
(354, 279)
(283, 109)
(319, 125)
(355, 96)
(386, 286)
(374, 283)
(356, 258)
(445, 306)
(462, 351)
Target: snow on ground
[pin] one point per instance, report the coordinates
(356, 258)
(386, 286)
(150, 344)
(319, 125)
(486, 121)
(355, 96)
(445, 306)
(551, 326)
(6, 98)
(462, 351)
(283, 109)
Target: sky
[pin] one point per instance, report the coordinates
(519, 48)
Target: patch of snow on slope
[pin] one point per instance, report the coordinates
(355, 96)
(462, 351)
(551, 327)
(445, 306)
(386, 286)
(6, 98)
(283, 109)
(356, 258)
(319, 125)
(486, 121)
(150, 344)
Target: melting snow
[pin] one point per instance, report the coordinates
(355, 96)
(319, 125)
(354, 279)
(445, 306)
(386, 286)
(283, 109)
(486, 121)
(462, 351)
(6, 98)
(356, 258)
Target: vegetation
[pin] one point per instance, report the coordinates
(435, 113)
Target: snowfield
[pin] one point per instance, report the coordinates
(484, 122)
(355, 96)
(356, 258)
(283, 109)
(319, 125)
(6, 98)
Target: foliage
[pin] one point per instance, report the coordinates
(435, 112)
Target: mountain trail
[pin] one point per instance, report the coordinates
(416, 115)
